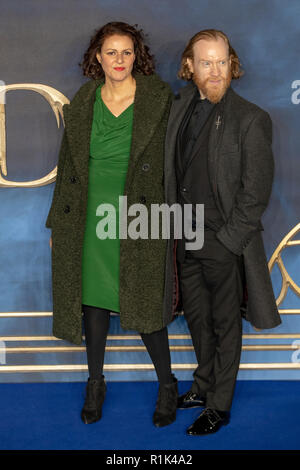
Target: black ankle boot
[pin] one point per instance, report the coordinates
(166, 405)
(95, 394)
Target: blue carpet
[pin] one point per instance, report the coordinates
(46, 416)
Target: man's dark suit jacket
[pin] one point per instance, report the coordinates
(240, 166)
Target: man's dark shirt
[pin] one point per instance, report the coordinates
(196, 116)
(199, 111)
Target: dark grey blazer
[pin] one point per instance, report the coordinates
(240, 164)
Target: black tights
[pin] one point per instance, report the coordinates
(96, 325)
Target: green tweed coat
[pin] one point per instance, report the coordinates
(146, 295)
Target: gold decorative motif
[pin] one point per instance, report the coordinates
(276, 258)
(56, 101)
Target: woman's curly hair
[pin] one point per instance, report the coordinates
(188, 53)
(144, 61)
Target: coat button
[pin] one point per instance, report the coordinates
(246, 243)
(142, 199)
(67, 209)
(73, 179)
(146, 167)
(184, 190)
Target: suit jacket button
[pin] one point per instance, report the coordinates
(73, 179)
(146, 167)
(142, 199)
(184, 190)
(67, 209)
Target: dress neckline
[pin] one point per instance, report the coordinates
(107, 108)
(112, 114)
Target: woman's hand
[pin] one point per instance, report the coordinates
(50, 242)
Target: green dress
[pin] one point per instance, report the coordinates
(109, 156)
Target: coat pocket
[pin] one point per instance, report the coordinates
(232, 148)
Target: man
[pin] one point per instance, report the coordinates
(218, 153)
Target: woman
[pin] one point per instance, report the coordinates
(113, 146)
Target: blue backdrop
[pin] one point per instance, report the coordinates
(43, 42)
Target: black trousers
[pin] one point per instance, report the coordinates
(211, 286)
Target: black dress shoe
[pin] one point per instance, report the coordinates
(208, 422)
(190, 400)
(95, 394)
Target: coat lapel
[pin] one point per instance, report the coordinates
(178, 110)
(149, 107)
(78, 117)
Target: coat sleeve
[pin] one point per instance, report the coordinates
(60, 167)
(256, 184)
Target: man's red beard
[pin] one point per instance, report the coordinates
(213, 93)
